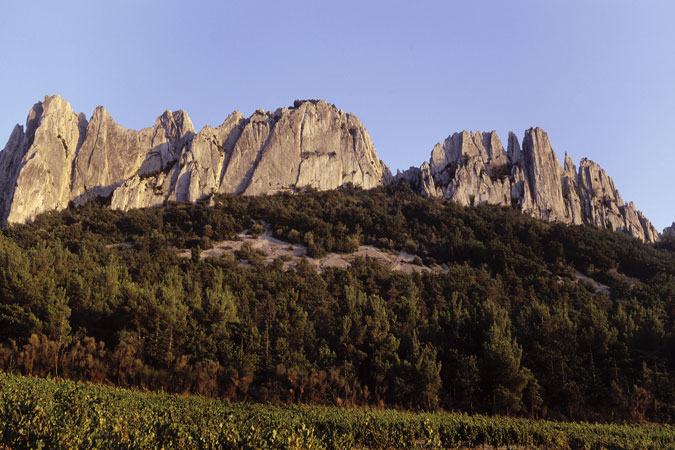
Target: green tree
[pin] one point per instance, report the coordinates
(504, 377)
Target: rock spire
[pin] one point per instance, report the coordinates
(669, 231)
(472, 168)
(61, 157)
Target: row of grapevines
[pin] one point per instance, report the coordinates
(40, 413)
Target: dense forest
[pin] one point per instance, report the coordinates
(514, 323)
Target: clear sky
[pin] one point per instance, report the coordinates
(597, 75)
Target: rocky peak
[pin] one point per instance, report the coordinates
(313, 144)
(543, 173)
(570, 192)
(494, 149)
(174, 123)
(570, 167)
(472, 168)
(604, 207)
(465, 145)
(62, 157)
(32, 178)
(669, 231)
(599, 187)
(33, 120)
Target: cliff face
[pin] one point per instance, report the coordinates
(36, 165)
(669, 231)
(61, 157)
(472, 168)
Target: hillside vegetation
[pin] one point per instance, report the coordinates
(39, 413)
(514, 323)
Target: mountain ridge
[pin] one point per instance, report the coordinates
(171, 161)
(61, 158)
(473, 168)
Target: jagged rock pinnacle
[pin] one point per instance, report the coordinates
(472, 168)
(669, 231)
(62, 157)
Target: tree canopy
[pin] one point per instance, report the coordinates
(514, 320)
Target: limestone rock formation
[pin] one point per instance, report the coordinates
(36, 166)
(60, 157)
(111, 153)
(604, 207)
(669, 231)
(472, 168)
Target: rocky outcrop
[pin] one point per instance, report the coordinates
(472, 168)
(36, 166)
(603, 206)
(111, 154)
(60, 157)
(669, 231)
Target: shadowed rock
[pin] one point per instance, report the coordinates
(669, 231)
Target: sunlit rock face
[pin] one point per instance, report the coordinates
(472, 168)
(36, 165)
(61, 157)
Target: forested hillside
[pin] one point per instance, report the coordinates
(522, 316)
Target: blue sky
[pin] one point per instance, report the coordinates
(598, 75)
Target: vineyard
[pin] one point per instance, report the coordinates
(40, 413)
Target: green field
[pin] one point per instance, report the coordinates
(39, 413)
